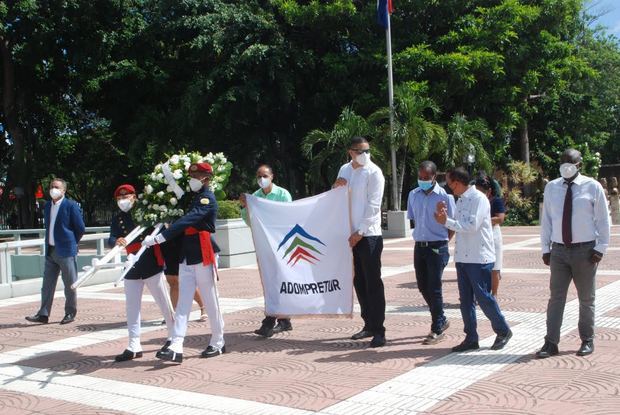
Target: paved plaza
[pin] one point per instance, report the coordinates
(316, 368)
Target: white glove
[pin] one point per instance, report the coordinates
(149, 241)
(160, 239)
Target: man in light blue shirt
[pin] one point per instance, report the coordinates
(430, 254)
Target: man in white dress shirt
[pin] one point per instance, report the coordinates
(474, 256)
(366, 184)
(574, 237)
(64, 227)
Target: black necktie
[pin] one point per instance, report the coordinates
(567, 215)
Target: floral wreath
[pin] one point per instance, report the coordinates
(162, 199)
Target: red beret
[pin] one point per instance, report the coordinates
(201, 167)
(124, 189)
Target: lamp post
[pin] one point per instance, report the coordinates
(470, 159)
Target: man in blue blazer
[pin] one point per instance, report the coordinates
(64, 228)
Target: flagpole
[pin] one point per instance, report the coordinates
(388, 38)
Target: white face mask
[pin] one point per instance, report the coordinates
(264, 182)
(125, 204)
(363, 158)
(55, 193)
(568, 170)
(195, 184)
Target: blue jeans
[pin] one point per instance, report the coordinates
(429, 263)
(475, 283)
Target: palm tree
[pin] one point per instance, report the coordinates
(414, 136)
(465, 137)
(326, 150)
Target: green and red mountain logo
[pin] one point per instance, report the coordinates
(302, 246)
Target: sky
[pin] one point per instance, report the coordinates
(611, 14)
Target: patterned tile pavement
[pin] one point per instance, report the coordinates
(316, 368)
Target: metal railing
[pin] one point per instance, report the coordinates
(16, 235)
(14, 248)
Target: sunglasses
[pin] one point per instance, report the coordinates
(358, 151)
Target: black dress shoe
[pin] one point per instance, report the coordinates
(165, 346)
(283, 325)
(501, 341)
(170, 356)
(37, 318)
(362, 334)
(587, 347)
(68, 318)
(127, 355)
(213, 351)
(265, 331)
(549, 349)
(465, 346)
(378, 340)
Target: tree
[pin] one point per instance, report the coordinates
(465, 137)
(414, 135)
(327, 150)
(48, 49)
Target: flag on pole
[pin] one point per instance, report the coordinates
(304, 258)
(384, 7)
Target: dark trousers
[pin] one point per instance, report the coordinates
(475, 284)
(368, 284)
(55, 265)
(571, 264)
(429, 263)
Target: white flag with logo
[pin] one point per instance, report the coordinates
(303, 253)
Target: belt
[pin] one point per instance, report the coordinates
(206, 249)
(431, 244)
(136, 246)
(575, 245)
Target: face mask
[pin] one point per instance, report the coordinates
(125, 204)
(195, 184)
(55, 193)
(363, 158)
(264, 182)
(425, 184)
(568, 170)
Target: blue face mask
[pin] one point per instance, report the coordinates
(425, 184)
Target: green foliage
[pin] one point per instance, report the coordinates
(267, 81)
(228, 209)
(327, 150)
(521, 210)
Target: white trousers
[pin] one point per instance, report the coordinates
(190, 277)
(133, 303)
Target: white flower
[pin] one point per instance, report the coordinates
(169, 189)
(160, 176)
(154, 206)
(174, 159)
(173, 201)
(158, 168)
(153, 176)
(160, 194)
(177, 174)
(187, 188)
(140, 196)
(148, 189)
(163, 208)
(145, 202)
(187, 164)
(210, 159)
(221, 168)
